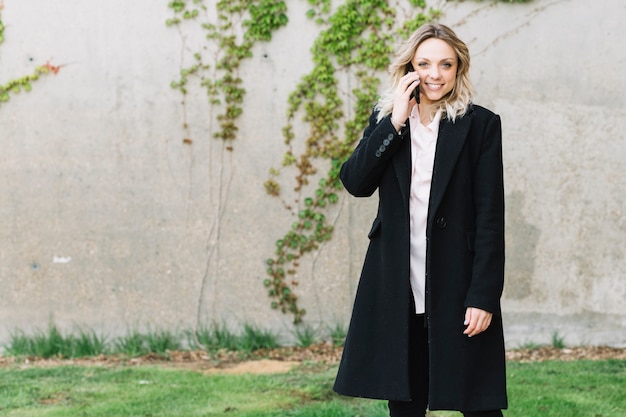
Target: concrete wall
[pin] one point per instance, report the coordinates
(110, 221)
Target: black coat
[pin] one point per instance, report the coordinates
(464, 266)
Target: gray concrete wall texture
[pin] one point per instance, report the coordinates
(109, 221)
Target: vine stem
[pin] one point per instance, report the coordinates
(224, 192)
(215, 228)
(203, 282)
(213, 239)
(317, 254)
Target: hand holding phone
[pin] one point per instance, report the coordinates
(416, 92)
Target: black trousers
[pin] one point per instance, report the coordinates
(418, 376)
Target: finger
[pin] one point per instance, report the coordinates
(406, 91)
(469, 321)
(477, 321)
(409, 80)
(482, 320)
(414, 85)
(472, 329)
(468, 316)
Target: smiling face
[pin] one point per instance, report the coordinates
(436, 64)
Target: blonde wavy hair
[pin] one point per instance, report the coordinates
(455, 103)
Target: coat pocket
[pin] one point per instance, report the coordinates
(375, 228)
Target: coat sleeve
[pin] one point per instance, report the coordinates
(361, 173)
(488, 187)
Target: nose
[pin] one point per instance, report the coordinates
(433, 72)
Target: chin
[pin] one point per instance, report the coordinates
(438, 97)
(434, 99)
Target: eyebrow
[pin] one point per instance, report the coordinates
(444, 59)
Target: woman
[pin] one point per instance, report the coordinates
(426, 329)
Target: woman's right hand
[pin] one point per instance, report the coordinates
(402, 101)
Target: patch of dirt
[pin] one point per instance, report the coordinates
(263, 366)
(286, 358)
(566, 354)
(260, 361)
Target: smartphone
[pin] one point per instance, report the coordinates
(416, 92)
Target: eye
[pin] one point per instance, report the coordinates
(447, 65)
(422, 64)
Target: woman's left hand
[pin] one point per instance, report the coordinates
(476, 320)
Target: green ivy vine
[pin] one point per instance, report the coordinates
(358, 38)
(259, 18)
(1, 24)
(18, 85)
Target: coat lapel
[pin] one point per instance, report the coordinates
(452, 136)
(402, 165)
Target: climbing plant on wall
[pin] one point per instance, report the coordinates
(232, 28)
(355, 40)
(229, 29)
(24, 83)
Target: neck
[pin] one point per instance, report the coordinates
(426, 113)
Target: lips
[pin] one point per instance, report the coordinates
(434, 87)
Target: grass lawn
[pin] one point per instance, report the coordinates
(548, 389)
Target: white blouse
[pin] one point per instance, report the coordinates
(423, 144)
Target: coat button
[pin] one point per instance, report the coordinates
(390, 136)
(386, 142)
(382, 148)
(441, 222)
(378, 153)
